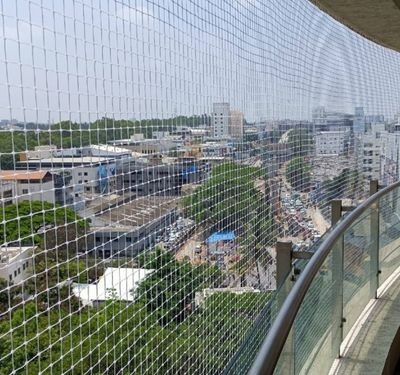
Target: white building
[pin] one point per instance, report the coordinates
(30, 185)
(216, 149)
(236, 124)
(14, 263)
(334, 142)
(390, 157)
(116, 283)
(90, 174)
(7, 192)
(371, 143)
(221, 119)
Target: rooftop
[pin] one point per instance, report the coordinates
(13, 175)
(138, 212)
(9, 254)
(116, 283)
(221, 236)
(79, 160)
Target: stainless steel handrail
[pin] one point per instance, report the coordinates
(271, 348)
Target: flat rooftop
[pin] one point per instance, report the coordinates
(10, 253)
(79, 160)
(136, 213)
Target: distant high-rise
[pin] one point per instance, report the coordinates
(220, 119)
(236, 124)
(359, 121)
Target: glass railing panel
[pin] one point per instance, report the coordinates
(312, 333)
(358, 243)
(245, 356)
(389, 234)
(308, 348)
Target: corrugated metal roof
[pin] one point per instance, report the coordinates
(22, 175)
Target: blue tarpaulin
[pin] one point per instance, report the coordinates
(221, 236)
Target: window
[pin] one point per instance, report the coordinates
(85, 174)
(80, 181)
(79, 173)
(19, 270)
(25, 191)
(15, 273)
(10, 277)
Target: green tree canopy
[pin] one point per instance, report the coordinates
(301, 142)
(229, 197)
(21, 221)
(298, 173)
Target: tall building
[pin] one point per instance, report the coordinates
(371, 153)
(335, 142)
(236, 124)
(359, 121)
(220, 119)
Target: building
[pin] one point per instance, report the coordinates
(29, 185)
(333, 142)
(115, 284)
(132, 227)
(216, 149)
(15, 262)
(236, 124)
(90, 174)
(220, 120)
(359, 121)
(164, 179)
(371, 153)
(7, 192)
(138, 144)
(324, 120)
(390, 157)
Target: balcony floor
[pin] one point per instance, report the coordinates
(369, 342)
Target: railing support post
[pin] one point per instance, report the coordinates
(374, 247)
(336, 211)
(373, 187)
(337, 282)
(283, 269)
(283, 261)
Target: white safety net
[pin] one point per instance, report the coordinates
(152, 153)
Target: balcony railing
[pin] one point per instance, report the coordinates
(355, 257)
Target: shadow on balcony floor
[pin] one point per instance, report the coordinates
(373, 335)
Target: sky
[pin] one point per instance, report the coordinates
(271, 59)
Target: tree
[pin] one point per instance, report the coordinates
(22, 221)
(298, 173)
(170, 289)
(347, 184)
(301, 142)
(228, 199)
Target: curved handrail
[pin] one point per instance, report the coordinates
(271, 348)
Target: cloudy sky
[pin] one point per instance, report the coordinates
(271, 59)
